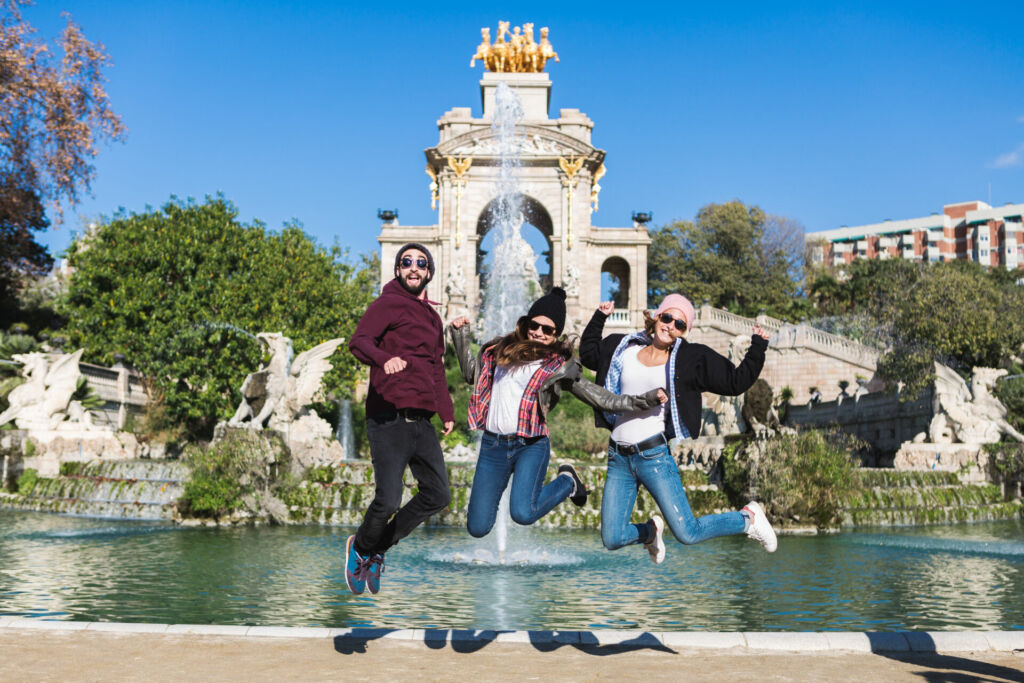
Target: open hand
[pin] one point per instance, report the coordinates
(760, 332)
(448, 427)
(394, 365)
(461, 321)
(606, 307)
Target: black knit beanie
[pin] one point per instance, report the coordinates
(416, 245)
(551, 305)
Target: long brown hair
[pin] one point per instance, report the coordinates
(517, 348)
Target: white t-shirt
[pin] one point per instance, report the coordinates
(638, 378)
(507, 394)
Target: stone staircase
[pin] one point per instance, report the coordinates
(123, 489)
(798, 357)
(895, 498)
(344, 499)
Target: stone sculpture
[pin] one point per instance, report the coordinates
(519, 53)
(279, 393)
(571, 284)
(456, 284)
(44, 400)
(968, 415)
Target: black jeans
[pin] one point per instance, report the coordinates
(397, 443)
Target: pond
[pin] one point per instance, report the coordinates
(960, 577)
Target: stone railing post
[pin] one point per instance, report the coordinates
(122, 394)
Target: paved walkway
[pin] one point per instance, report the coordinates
(36, 650)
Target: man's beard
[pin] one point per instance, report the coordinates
(415, 291)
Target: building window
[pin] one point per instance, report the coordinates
(984, 253)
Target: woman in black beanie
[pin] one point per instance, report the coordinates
(517, 379)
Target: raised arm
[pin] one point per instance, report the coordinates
(590, 342)
(716, 374)
(458, 330)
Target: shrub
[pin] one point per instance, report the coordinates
(225, 472)
(71, 468)
(27, 481)
(803, 477)
(320, 475)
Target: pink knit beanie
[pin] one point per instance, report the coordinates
(677, 301)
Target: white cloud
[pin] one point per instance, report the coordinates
(1014, 158)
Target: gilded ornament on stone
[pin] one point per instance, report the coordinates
(515, 50)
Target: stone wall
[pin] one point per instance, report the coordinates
(880, 419)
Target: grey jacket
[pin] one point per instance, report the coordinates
(569, 376)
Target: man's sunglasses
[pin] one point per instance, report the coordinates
(680, 324)
(407, 262)
(533, 326)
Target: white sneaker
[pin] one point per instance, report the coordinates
(656, 546)
(760, 528)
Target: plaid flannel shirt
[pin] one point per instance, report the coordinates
(530, 422)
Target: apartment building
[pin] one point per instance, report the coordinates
(970, 231)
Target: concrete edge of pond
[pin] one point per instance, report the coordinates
(801, 641)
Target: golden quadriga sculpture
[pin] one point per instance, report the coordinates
(514, 51)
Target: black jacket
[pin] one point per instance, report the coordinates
(698, 368)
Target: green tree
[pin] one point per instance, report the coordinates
(181, 290)
(956, 313)
(732, 255)
(870, 286)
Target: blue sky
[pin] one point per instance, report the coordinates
(320, 111)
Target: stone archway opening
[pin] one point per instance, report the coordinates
(537, 230)
(615, 282)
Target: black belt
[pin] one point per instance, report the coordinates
(634, 448)
(407, 414)
(512, 437)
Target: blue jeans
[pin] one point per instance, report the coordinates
(656, 469)
(500, 457)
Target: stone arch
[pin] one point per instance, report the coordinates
(618, 268)
(535, 214)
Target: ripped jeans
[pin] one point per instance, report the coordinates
(656, 469)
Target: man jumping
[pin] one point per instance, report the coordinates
(401, 338)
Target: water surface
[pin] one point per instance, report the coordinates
(934, 578)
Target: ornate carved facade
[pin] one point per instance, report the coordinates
(558, 181)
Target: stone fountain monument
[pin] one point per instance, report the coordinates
(964, 418)
(55, 428)
(558, 169)
(277, 397)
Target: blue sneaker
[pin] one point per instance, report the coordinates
(356, 567)
(376, 569)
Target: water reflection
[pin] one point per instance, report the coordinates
(957, 577)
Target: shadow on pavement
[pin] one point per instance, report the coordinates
(549, 641)
(355, 641)
(467, 641)
(956, 668)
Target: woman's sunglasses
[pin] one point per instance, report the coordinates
(680, 324)
(533, 326)
(407, 262)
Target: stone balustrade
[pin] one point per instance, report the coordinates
(119, 387)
